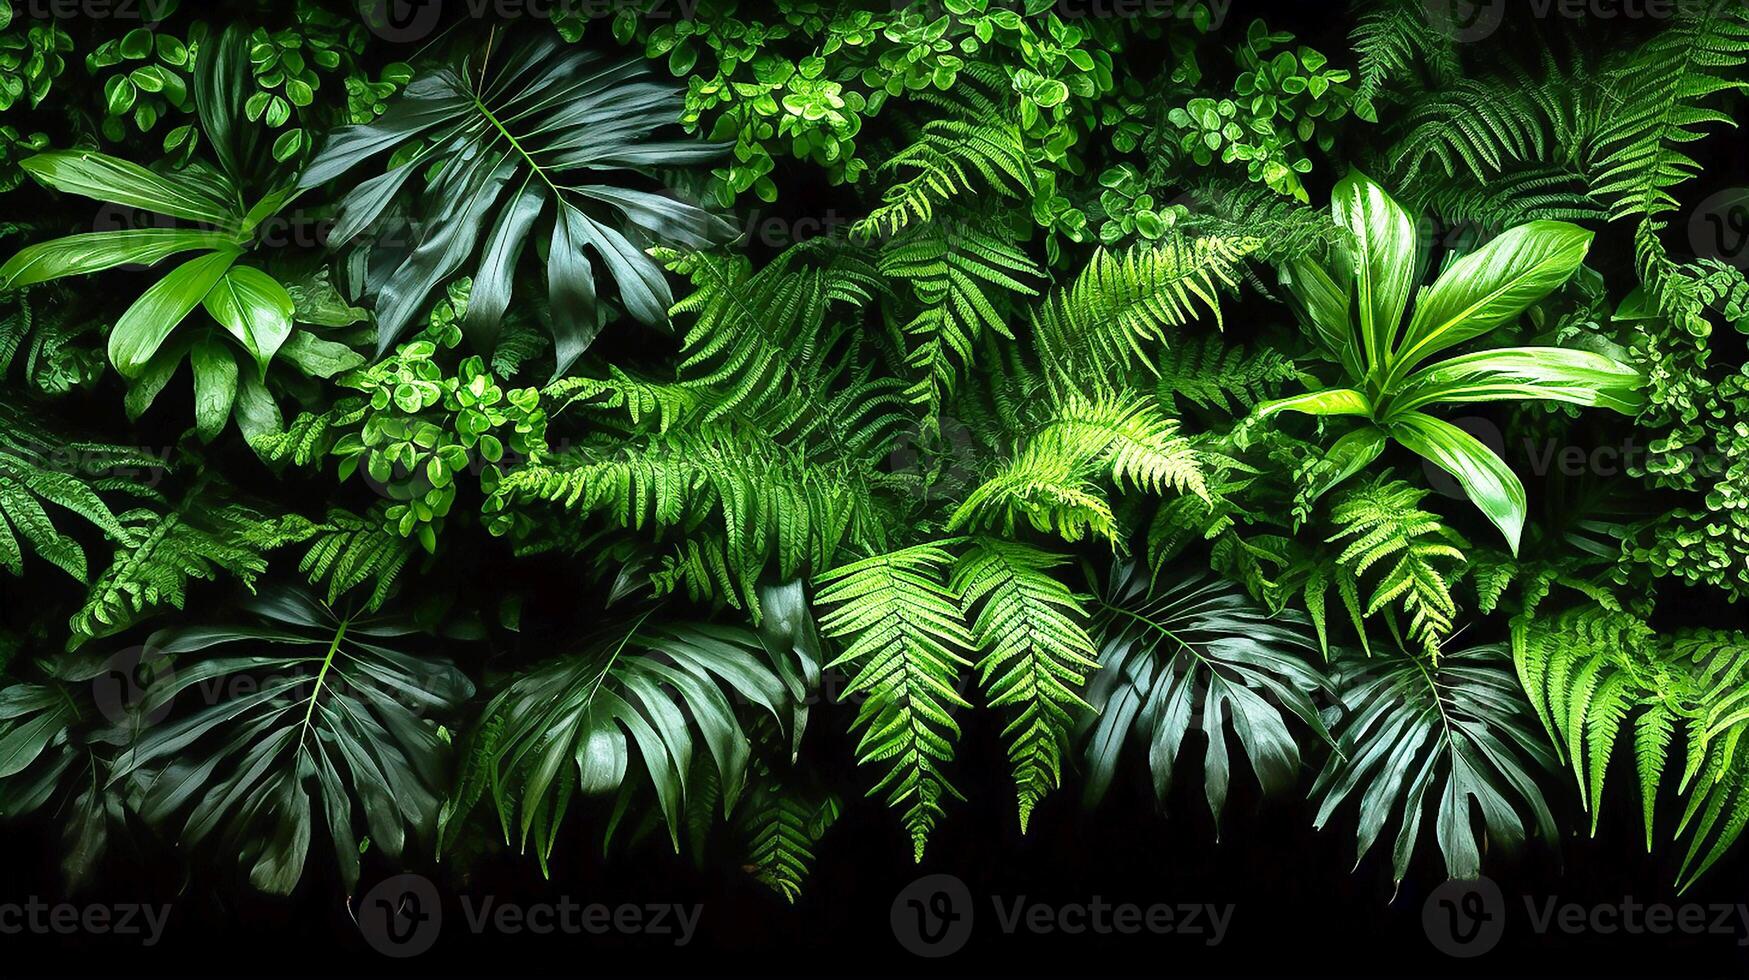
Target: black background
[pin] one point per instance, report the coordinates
(1300, 905)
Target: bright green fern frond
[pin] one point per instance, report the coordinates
(1595, 674)
(963, 277)
(1584, 672)
(347, 551)
(1657, 103)
(905, 638)
(211, 531)
(974, 144)
(766, 503)
(1036, 655)
(665, 403)
(1416, 557)
(1121, 305)
(1050, 480)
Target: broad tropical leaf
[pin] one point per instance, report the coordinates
(508, 143)
(320, 722)
(1194, 652)
(1448, 741)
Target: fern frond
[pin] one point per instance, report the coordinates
(1049, 480)
(1210, 374)
(974, 144)
(1418, 558)
(1389, 38)
(765, 501)
(665, 403)
(963, 278)
(782, 827)
(906, 639)
(1121, 305)
(1657, 103)
(38, 466)
(212, 530)
(1036, 655)
(348, 551)
(1593, 673)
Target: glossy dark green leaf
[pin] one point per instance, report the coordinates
(215, 385)
(1456, 738)
(255, 308)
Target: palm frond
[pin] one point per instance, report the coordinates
(1449, 739)
(505, 143)
(1195, 652)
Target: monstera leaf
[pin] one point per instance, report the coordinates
(635, 706)
(300, 719)
(520, 141)
(1198, 652)
(1446, 741)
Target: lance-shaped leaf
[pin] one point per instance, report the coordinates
(1526, 373)
(1383, 261)
(95, 251)
(1487, 480)
(191, 195)
(1488, 288)
(142, 329)
(1330, 401)
(255, 308)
